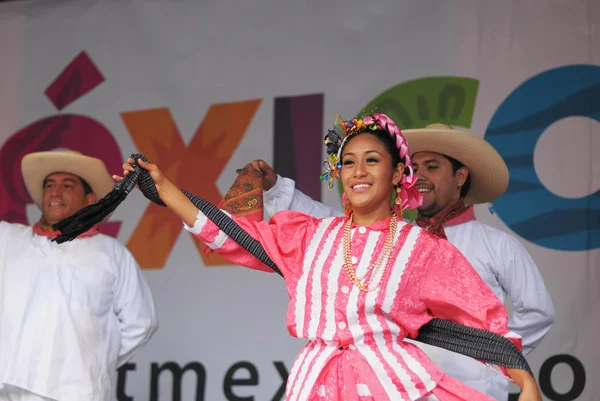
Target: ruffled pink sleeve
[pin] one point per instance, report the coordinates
(283, 237)
(453, 290)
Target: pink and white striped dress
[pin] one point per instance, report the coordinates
(355, 348)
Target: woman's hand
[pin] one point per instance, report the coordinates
(530, 393)
(529, 388)
(157, 176)
(172, 197)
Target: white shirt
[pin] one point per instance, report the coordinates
(70, 314)
(499, 258)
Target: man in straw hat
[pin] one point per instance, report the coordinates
(70, 314)
(454, 171)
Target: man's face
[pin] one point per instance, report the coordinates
(63, 196)
(437, 183)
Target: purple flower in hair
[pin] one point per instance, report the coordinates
(333, 137)
(333, 142)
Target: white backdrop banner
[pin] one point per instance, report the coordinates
(202, 88)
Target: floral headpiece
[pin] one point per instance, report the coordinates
(342, 130)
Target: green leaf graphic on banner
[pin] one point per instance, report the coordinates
(417, 103)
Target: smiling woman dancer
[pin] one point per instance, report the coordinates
(361, 283)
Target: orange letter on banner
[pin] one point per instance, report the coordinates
(195, 168)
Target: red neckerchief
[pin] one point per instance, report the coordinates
(457, 213)
(43, 228)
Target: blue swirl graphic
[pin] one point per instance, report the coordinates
(527, 207)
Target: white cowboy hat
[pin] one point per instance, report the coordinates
(37, 166)
(488, 172)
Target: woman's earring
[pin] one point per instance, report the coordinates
(398, 200)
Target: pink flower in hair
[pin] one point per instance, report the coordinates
(414, 199)
(368, 120)
(409, 198)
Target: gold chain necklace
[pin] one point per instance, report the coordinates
(384, 255)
